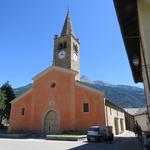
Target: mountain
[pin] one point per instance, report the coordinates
(122, 95)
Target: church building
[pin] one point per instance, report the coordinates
(57, 100)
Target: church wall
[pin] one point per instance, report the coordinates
(20, 120)
(59, 99)
(96, 114)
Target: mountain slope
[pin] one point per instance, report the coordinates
(122, 95)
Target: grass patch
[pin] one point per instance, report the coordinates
(66, 135)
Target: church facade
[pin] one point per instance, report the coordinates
(58, 101)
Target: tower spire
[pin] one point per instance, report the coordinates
(67, 48)
(67, 28)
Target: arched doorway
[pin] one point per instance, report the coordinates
(51, 122)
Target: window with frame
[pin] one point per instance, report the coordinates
(65, 44)
(85, 107)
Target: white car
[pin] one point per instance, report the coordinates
(99, 133)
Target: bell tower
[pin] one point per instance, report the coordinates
(67, 48)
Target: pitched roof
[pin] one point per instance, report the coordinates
(113, 105)
(131, 111)
(67, 28)
(54, 68)
(136, 111)
(141, 111)
(22, 95)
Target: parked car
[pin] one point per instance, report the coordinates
(99, 133)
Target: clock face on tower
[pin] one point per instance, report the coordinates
(75, 57)
(61, 54)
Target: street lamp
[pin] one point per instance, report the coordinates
(135, 61)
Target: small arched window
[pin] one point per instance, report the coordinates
(22, 111)
(65, 44)
(60, 46)
(76, 48)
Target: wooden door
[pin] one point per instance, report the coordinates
(51, 123)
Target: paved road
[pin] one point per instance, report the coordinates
(125, 142)
(119, 144)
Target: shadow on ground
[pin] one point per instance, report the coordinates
(121, 143)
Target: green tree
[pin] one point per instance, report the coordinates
(10, 95)
(2, 104)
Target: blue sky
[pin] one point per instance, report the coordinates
(27, 29)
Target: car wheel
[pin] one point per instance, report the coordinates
(88, 140)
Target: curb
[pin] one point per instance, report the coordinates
(15, 136)
(67, 138)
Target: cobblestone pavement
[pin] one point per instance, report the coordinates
(126, 141)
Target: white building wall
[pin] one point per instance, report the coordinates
(144, 25)
(111, 114)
